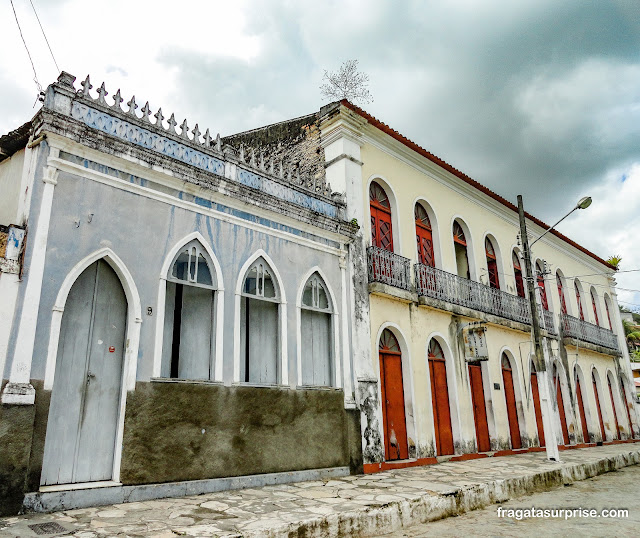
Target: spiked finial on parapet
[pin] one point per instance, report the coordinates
(241, 154)
(159, 117)
(145, 112)
(272, 167)
(185, 129)
(172, 124)
(207, 139)
(101, 94)
(262, 167)
(132, 107)
(252, 161)
(196, 134)
(117, 99)
(218, 143)
(280, 170)
(86, 86)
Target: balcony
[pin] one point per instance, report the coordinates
(389, 268)
(438, 284)
(588, 332)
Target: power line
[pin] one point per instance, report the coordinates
(45, 36)
(35, 75)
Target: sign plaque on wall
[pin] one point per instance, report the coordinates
(475, 344)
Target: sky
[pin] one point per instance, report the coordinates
(532, 97)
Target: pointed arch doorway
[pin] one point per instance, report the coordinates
(84, 412)
(392, 390)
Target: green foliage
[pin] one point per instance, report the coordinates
(615, 261)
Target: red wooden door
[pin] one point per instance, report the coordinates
(441, 409)
(583, 415)
(595, 392)
(424, 237)
(479, 408)
(492, 265)
(512, 412)
(517, 270)
(563, 417)
(626, 406)
(615, 413)
(395, 428)
(381, 235)
(536, 407)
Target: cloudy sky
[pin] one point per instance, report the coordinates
(532, 97)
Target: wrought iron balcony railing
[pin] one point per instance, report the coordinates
(432, 282)
(588, 332)
(389, 268)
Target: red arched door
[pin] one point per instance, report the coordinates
(440, 399)
(613, 406)
(543, 290)
(583, 415)
(517, 270)
(381, 232)
(595, 393)
(479, 408)
(393, 416)
(595, 308)
(626, 406)
(536, 405)
(510, 397)
(424, 237)
(460, 248)
(578, 298)
(563, 302)
(563, 417)
(492, 264)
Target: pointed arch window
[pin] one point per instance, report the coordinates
(517, 270)
(579, 299)
(381, 230)
(543, 290)
(492, 264)
(460, 247)
(259, 325)
(316, 322)
(563, 302)
(424, 236)
(595, 308)
(189, 337)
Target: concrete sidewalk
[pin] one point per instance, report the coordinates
(350, 506)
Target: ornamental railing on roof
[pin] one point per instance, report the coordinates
(162, 135)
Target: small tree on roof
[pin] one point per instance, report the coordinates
(347, 83)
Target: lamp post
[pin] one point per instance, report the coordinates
(541, 366)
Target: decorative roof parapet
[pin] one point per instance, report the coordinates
(170, 142)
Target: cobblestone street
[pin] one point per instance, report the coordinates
(354, 505)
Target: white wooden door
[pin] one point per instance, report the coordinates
(84, 410)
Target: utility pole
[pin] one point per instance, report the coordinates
(548, 416)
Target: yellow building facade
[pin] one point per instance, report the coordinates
(420, 218)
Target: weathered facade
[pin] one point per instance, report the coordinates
(181, 314)
(437, 260)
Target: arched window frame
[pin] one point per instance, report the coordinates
(282, 352)
(218, 306)
(465, 240)
(539, 268)
(381, 212)
(607, 301)
(336, 373)
(424, 234)
(594, 305)
(578, 291)
(518, 274)
(492, 251)
(561, 295)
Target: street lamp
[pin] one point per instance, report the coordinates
(541, 367)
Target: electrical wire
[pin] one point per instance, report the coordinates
(45, 36)
(35, 75)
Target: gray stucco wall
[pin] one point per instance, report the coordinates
(142, 231)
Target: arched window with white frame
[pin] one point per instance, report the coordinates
(188, 350)
(259, 325)
(316, 333)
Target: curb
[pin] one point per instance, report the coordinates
(431, 506)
